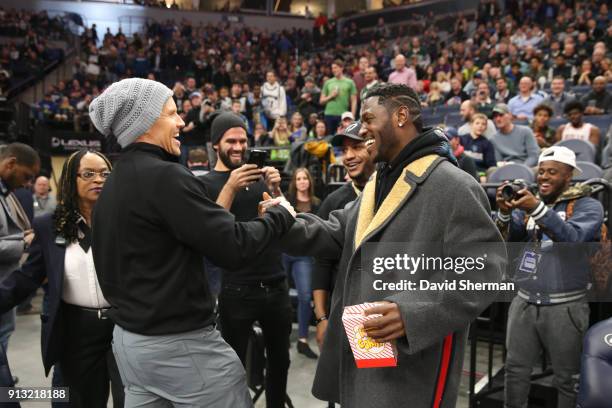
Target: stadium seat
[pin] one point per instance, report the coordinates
(601, 121)
(453, 119)
(589, 171)
(580, 89)
(596, 367)
(585, 151)
(521, 122)
(605, 157)
(433, 120)
(556, 122)
(444, 109)
(512, 171)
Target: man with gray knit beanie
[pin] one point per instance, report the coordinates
(152, 224)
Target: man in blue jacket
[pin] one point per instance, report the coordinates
(550, 312)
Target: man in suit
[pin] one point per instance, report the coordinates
(19, 165)
(420, 200)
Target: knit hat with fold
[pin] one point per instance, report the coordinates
(128, 108)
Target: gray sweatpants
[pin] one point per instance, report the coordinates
(193, 369)
(557, 330)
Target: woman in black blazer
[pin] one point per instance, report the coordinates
(75, 332)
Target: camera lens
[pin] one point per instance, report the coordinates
(508, 192)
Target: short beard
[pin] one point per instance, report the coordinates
(387, 130)
(225, 159)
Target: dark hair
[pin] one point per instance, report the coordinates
(198, 155)
(24, 154)
(292, 194)
(571, 105)
(67, 212)
(338, 62)
(541, 107)
(401, 95)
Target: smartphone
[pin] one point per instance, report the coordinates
(257, 157)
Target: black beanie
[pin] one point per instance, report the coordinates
(222, 122)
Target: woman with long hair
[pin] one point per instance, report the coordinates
(75, 333)
(280, 135)
(302, 198)
(297, 129)
(319, 130)
(280, 132)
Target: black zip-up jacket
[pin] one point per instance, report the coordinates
(151, 226)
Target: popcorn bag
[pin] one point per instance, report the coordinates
(367, 352)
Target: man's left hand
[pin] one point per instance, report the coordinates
(273, 180)
(389, 326)
(528, 202)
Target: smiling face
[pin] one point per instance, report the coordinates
(376, 125)
(356, 160)
(232, 148)
(553, 178)
(165, 130)
(90, 180)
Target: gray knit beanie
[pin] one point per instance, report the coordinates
(128, 108)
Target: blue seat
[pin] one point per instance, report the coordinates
(432, 120)
(585, 151)
(556, 122)
(589, 171)
(453, 119)
(601, 121)
(580, 89)
(444, 109)
(606, 154)
(512, 171)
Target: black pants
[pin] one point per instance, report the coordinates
(239, 307)
(87, 362)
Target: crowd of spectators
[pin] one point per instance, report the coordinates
(525, 56)
(25, 48)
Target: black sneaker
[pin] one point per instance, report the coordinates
(15, 380)
(304, 348)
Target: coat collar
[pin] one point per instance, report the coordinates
(368, 222)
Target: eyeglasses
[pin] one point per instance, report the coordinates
(90, 174)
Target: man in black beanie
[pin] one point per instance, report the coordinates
(257, 291)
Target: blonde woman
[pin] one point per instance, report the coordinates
(281, 137)
(297, 129)
(435, 96)
(443, 82)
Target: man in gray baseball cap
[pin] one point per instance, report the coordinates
(152, 225)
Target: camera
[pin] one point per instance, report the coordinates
(510, 191)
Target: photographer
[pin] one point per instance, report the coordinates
(550, 311)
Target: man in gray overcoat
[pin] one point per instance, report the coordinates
(417, 196)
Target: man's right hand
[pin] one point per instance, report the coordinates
(243, 176)
(321, 329)
(268, 202)
(504, 206)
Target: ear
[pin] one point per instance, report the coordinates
(403, 116)
(9, 163)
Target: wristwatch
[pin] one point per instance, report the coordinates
(320, 319)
